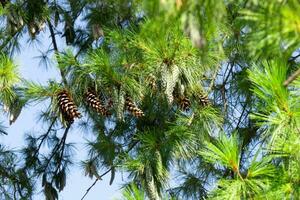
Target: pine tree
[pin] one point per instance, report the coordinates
(203, 94)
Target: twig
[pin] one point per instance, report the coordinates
(3, 132)
(223, 89)
(57, 146)
(15, 34)
(241, 117)
(213, 79)
(62, 73)
(15, 191)
(291, 78)
(294, 58)
(97, 179)
(63, 142)
(230, 70)
(45, 136)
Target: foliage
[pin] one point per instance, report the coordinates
(211, 114)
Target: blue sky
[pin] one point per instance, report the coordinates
(77, 183)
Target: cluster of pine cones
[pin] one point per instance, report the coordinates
(184, 102)
(70, 111)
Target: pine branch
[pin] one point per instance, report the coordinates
(223, 89)
(15, 34)
(15, 181)
(63, 141)
(294, 58)
(3, 132)
(229, 72)
(45, 136)
(62, 73)
(99, 178)
(58, 145)
(36, 153)
(291, 78)
(242, 114)
(213, 79)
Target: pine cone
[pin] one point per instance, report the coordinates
(203, 100)
(110, 103)
(184, 103)
(152, 82)
(94, 102)
(132, 108)
(67, 106)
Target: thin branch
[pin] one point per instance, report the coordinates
(15, 191)
(15, 34)
(241, 116)
(63, 141)
(3, 132)
(45, 136)
(223, 89)
(57, 146)
(97, 179)
(212, 83)
(291, 78)
(294, 58)
(62, 73)
(230, 70)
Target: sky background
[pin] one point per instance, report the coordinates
(77, 183)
